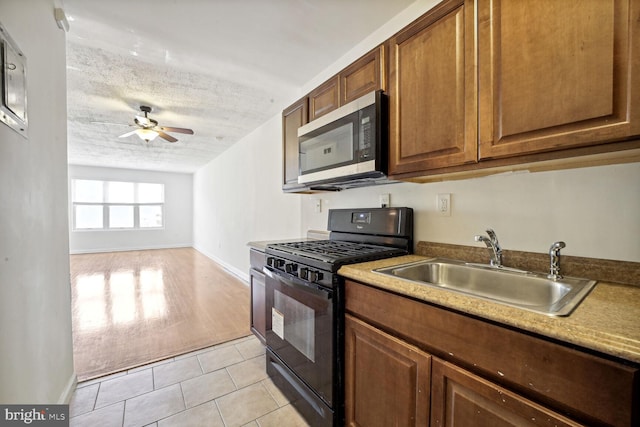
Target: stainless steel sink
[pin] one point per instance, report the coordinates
(516, 288)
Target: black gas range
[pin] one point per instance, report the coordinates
(305, 305)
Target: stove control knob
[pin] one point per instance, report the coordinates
(279, 263)
(314, 276)
(303, 273)
(270, 261)
(291, 268)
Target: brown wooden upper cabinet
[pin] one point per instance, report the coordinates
(432, 91)
(363, 76)
(557, 74)
(324, 98)
(541, 76)
(293, 117)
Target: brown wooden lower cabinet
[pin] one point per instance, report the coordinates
(460, 398)
(387, 381)
(400, 351)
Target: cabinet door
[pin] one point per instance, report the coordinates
(363, 76)
(292, 118)
(432, 91)
(460, 398)
(324, 98)
(387, 381)
(557, 74)
(258, 306)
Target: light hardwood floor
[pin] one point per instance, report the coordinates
(133, 308)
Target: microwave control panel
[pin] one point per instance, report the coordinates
(365, 144)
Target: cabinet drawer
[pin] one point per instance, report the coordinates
(589, 388)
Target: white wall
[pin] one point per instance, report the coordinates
(238, 199)
(178, 213)
(595, 210)
(36, 356)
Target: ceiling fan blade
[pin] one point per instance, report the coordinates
(165, 136)
(177, 130)
(133, 132)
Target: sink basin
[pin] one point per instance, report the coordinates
(516, 288)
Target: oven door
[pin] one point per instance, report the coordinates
(300, 329)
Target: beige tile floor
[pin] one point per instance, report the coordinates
(221, 386)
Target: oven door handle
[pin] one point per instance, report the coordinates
(306, 286)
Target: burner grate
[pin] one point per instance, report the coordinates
(332, 250)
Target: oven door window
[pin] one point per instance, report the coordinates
(295, 323)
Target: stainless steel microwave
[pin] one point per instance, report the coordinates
(346, 146)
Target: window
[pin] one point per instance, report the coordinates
(115, 205)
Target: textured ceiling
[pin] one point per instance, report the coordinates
(219, 67)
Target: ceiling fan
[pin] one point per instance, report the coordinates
(149, 129)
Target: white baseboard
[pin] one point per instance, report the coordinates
(242, 275)
(137, 248)
(67, 392)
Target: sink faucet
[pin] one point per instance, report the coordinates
(554, 255)
(492, 243)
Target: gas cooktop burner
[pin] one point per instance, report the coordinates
(357, 235)
(335, 251)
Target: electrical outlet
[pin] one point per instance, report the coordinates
(444, 204)
(384, 200)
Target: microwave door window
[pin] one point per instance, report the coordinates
(328, 149)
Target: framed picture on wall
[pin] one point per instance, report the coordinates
(13, 102)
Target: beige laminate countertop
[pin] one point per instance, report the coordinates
(607, 320)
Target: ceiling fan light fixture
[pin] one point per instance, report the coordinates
(147, 135)
(148, 129)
